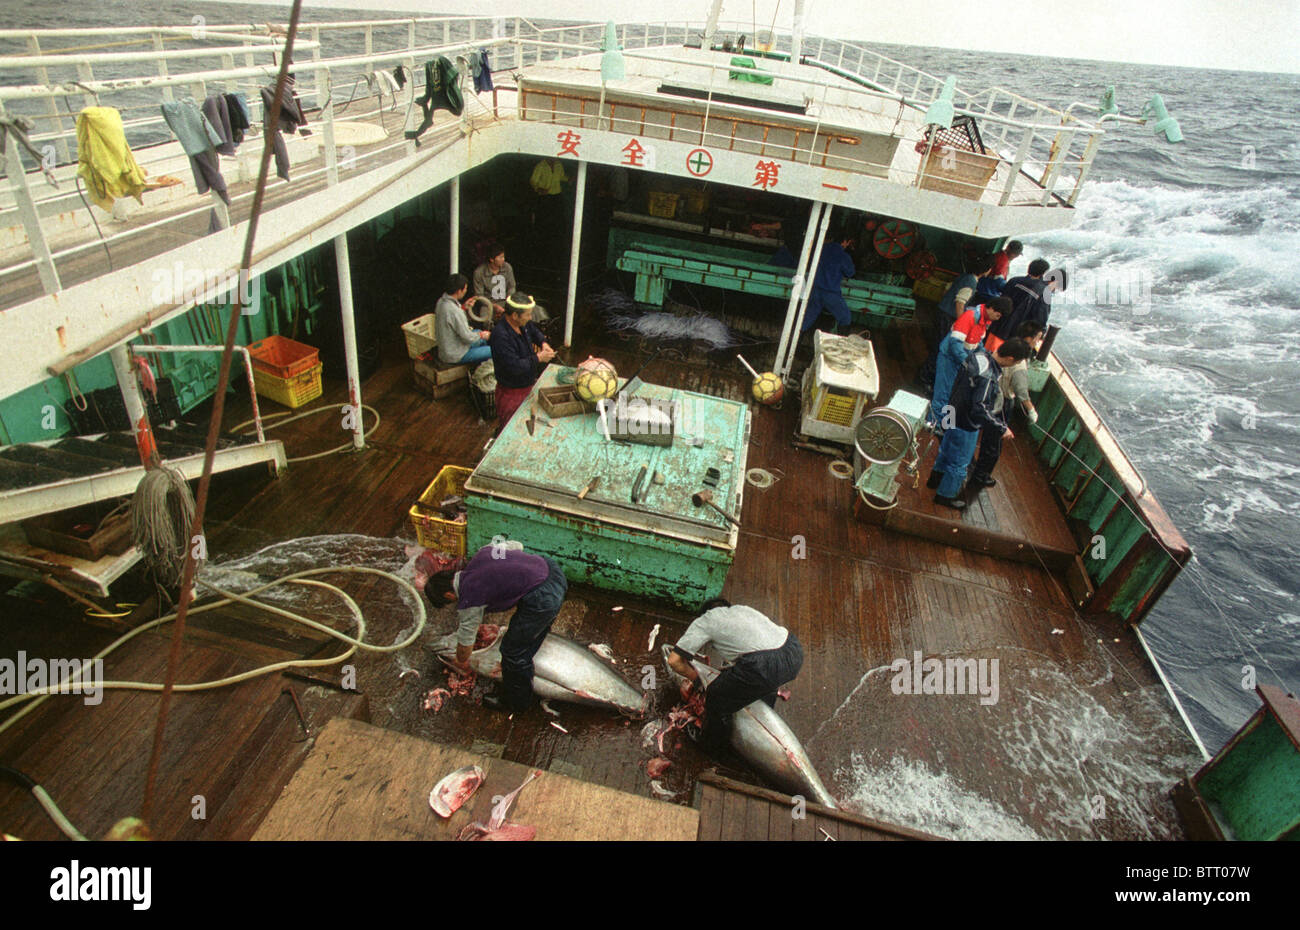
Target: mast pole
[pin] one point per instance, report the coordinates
(796, 39)
(711, 27)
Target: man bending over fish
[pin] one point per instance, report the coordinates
(498, 577)
(756, 657)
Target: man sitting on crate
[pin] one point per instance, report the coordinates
(501, 576)
(457, 343)
(517, 346)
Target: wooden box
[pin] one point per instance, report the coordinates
(561, 401)
(961, 174)
(83, 532)
(438, 380)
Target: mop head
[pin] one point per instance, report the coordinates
(162, 514)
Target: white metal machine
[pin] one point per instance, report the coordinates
(838, 386)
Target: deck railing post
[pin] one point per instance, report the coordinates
(324, 80)
(453, 232)
(30, 217)
(1066, 139)
(1089, 153)
(61, 151)
(570, 298)
(1021, 154)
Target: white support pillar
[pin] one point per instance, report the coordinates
(453, 262)
(796, 290)
(580, 190)
(350, 339)
(808, 283)
(134, 402)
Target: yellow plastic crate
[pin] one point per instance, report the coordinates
(433, 531)
(663, 205)
(837, 409)
(293, 391)
(933, 287)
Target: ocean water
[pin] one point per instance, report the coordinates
(1199, 379)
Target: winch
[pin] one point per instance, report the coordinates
(884, 438)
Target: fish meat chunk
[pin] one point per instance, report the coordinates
(454, 790)
(510, 831)
(434, 699)
(495, 824)
(657, 766)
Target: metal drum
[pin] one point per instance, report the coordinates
(883, 437)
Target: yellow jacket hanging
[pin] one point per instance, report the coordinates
(104, 160)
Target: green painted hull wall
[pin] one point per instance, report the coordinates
(1254, 786)
(1130, 547)
(604, 556)
(37, 413)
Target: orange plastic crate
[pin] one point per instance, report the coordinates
(282, 357)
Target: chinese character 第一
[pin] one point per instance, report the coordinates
(634, 154)
(766, 174)
(569, 141)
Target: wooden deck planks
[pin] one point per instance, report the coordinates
(363, 782)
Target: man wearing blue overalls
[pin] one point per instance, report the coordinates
(834, 267)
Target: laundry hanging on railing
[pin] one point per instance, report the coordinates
(240, 117)
(104, 160)
(291, 120)
(441, 92)
(217, 111)
(482, 71)
(386, 82)
(199, 140)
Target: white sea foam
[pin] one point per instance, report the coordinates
(910, 793)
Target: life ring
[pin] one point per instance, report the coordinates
(486, 315)
(893, 239)
(920, 264)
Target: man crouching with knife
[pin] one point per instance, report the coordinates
(756, 657)
(498, 577)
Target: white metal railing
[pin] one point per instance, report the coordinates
(1026, 140)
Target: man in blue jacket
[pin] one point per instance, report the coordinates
(834, 267)
(973, 400)
(517, 346)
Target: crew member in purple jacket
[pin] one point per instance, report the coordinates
(498, 577)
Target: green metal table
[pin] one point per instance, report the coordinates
(526, 488)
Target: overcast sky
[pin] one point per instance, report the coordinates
(1247, 35)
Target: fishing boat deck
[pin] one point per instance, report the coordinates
(1079, 716)
(361, 782)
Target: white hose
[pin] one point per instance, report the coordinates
(67, 687)
(345, 447)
